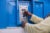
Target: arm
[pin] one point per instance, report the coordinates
(43, 27)
(29, 28)
(36, 19)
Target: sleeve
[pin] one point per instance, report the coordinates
(36, 19)
(43, 27)
(40, 28)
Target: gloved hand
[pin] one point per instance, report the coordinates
(26, 13)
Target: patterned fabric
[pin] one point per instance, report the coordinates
(42, 27)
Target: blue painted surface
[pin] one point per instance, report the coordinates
(8, 15)
(3, 14)
(12, 8)
(46, 7)
(38, 9)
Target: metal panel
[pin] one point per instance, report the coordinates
(3, 14)
(12, 13)
(38, 9)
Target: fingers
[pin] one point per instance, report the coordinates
(26, 13)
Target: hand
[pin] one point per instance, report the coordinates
(26, 13)
(23, 24)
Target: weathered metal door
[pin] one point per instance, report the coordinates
(38, 9)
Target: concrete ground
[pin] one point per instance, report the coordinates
(12, 30)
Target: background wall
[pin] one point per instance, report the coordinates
(9, 11)
(3, 14)
(46, 6)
